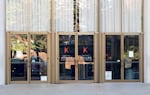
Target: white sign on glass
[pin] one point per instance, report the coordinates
(43, 78)
(108, 75)
(131, 53)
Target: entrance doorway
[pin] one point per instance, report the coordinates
(123, 55)
(28, 57)
(76, 57)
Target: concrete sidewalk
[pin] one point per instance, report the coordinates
(76, 89)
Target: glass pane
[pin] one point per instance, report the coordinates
(85, 57)
(20, 15)
(64, 15)
(87, 15)
(110, 14)
(67, 57)
(38, 57)
(131, 57)
(16, 15)
(113, 56)
(19, 57)
(40, 15)
(132, 15)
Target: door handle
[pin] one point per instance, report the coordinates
(118, 60)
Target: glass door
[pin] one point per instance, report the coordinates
(38, 57)
(28, 57)
(122, 58)
(113, 57)
(18, 62)
(66, 57)
(131, 57)
(85, 57)
(76, 57)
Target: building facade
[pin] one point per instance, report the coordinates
(55, 41)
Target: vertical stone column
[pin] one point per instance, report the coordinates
(2, 42)
(146, 41)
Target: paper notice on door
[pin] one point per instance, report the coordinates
(43, 78)
(131, 53)
(108, 75)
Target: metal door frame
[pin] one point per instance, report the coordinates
(8, 65)
(122, 35)
(76, 55)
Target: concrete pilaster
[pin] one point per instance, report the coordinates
(2, 42)
(146, 41)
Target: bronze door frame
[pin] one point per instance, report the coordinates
(8, 65)
(122, 35)
(76, 59)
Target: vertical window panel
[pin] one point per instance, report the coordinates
(110, 15)
(16, 15)
(64, 15)
(88, 15)
(132, 14)
(22, 17)
(121, 15)
(115, 15)
(40, 15)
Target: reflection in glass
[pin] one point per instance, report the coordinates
(113, 57)
(18, 57)
(85, 57)
(67, 55)
(131, 57)
(38, 57)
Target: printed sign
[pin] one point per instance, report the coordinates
(131, 53)
(43, 78)
(108, 75)
(85, 50)
(66, 50)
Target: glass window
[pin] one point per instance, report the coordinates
(132, 15)
(76, 15)
(121, 15)
(87, 16)
(16, 15)
(40, 15)
(24, 16)
(64, 15)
